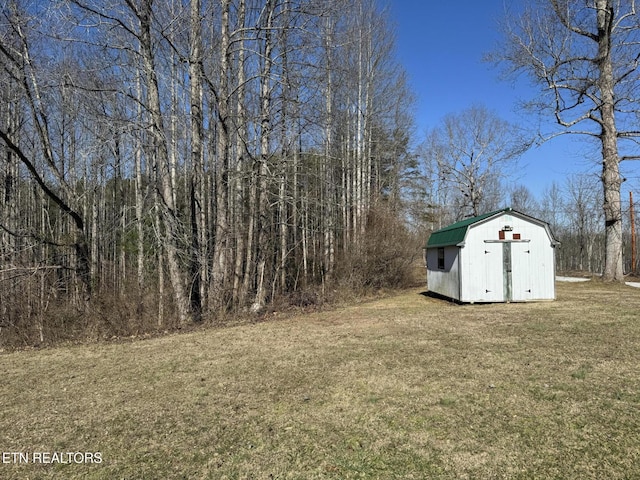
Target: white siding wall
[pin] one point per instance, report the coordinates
(444, 282)
(532, 263)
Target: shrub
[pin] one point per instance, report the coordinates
(386, 257)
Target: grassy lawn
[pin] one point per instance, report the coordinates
(405, 387)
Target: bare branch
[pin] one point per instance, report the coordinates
(40, 181)
(564, 18)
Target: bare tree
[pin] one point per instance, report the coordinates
(267, 49)
(172, 232)
(521, 199)
(552, 207)
(197, 194)
(583, 55)
(473, 151)
(581, 211)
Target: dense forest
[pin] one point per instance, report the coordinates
(165, 162)
(169, 162)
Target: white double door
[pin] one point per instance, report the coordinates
(507, 271)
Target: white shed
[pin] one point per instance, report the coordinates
(501, 256)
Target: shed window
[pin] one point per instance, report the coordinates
(441, 258)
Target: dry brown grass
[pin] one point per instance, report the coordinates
(405, 387)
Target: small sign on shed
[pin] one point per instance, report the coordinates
(501, 256)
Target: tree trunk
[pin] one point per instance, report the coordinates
(139, 208)
(219, 273)
(611, 179)
(241, 261)
(265, 134)
(198, 216)
(171, 232)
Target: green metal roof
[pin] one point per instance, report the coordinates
(455, 233)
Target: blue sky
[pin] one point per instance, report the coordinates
(441, 45)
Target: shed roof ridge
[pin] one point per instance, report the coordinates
(455, 233)
(471, 220)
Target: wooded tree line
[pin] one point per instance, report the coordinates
(191, 158)
(574, 212)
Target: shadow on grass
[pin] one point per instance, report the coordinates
(439, 297)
